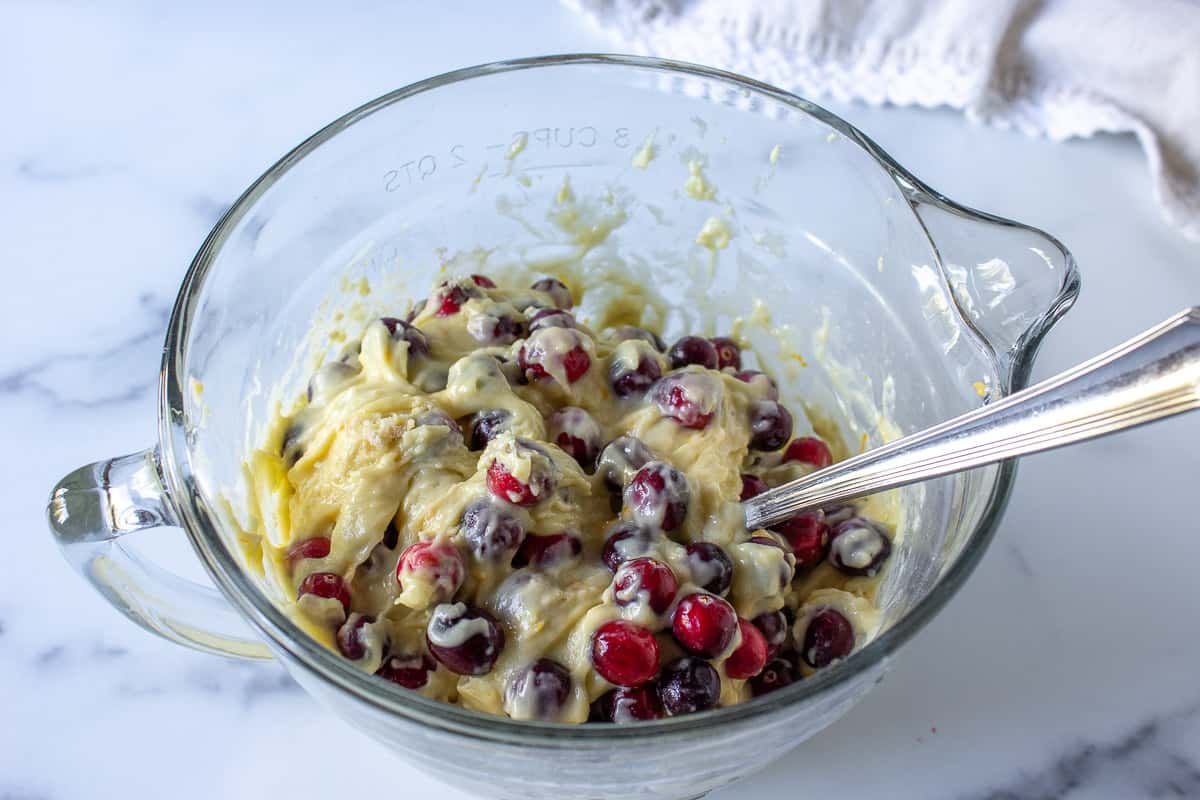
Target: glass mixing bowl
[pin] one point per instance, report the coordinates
(905, 308)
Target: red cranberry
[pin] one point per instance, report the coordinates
(704, 624)
(309, 548)
(549, 350)
(351, 641)
(411, 672)
(625, 540)
(574, 430)
(787, 567)
(487, 425)
(829, 636)
(626, 333)
(808, 536)
(546, 551)
(752, 486)
(506, 486)
(629, 380)
(647, 575)
(438, 563)
(689, 398)
(658, 496)
(557, 290)
(775, 675)
(491, 329)
(402, 331)
(624, 653)
(712, 569)
(539, 691)
(688, 685)
(551, 318)
(484, 281)
(750, 656)
(624, 704)
(450, 299)
(773, 626)
(728, 353)
(466, 640)
(809, 450)
(858, 547)
(326, 585)
(620, 458)
(770, 425)
(758, 379)
(836, 515)
(492, 531)
(693, 350)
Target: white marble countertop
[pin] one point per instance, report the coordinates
(1066, 667)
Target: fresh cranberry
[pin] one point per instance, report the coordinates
(858, 547)
(777, 674)
(750, 656)
(809, 450)
(506, 486)
(629, 380)
(492, 329)
(712, 569)
(689, 398)
(624, 704)
(658, 496)
(752, 486)
(773, 626)
(574, 430)
(436, 563)
(626, 333)
(351, 641)
(787, 565)
(728, 353)
(624, 653)
(688, 685)
(704, 624)
(647, 575)
(487, 425)
(546, 348)
(326, 585)
(836, 515)
(551, 318)
(402, 331)
(557, 290)
(309, 548)
(539, 691)
(466, 640)
(625, 540)
(546, 551)
(808, 536)
(765, 384)
(770, 425)
(484, 281)
(693, 350)
(491, 530)
(411, 672)
(829, 636)
(619, 459)
(450, 299)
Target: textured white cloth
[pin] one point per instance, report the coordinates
(1059, 68)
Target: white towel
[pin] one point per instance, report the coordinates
(1059, 68)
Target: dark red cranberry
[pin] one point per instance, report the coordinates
(829, 636)
(539, 691)
(689, 398)
(777, 674)
(487, 425)
(836, 515)
(688, 685)
(490, 530)
(490, 329)
(574, 430)
(351, 641)
(625, 333)
(647, 575)
(755, 378)
(624, 653)
(466, 640)
(326, 585)
(506, 486)
(712, 569)
(411, 672)
(770, 425)
(787, 567)
(858, 547)
(774, 627)
(693, 350)
(289, 448)
(728, 353)
(484, 281)
(635, 380)
(749, 658)
(658, 496)
(704, 624)
(551, 318)
(401, 331)
(624, 704)
(449, 299)
(808, 536)
(437, 563)
(546, 551)
(309, 548)
(625, 540)
(752, 486)
(557, 290)
(809, 450)
(619, 459)
(543, 350)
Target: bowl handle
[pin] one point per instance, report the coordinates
(92, 508)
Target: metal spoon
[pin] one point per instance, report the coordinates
(1152, 376)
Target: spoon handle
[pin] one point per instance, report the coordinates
(1153, 375)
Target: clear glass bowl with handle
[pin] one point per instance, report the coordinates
(904, 309)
